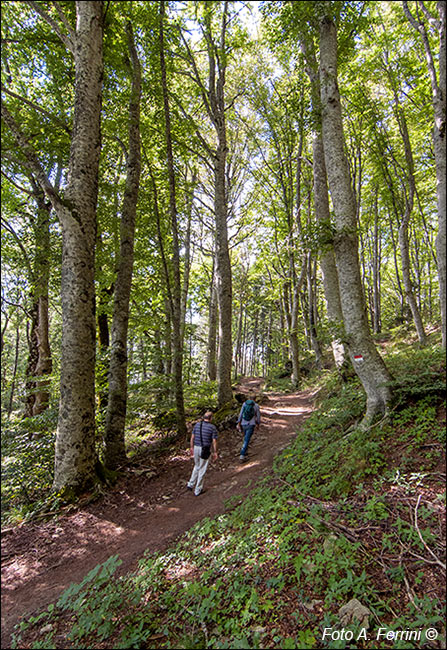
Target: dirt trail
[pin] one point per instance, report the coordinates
(145, 510)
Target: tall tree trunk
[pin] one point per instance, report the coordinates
(217, 62)
(409, 190)
(311, 312)
(115, 449)
(268, 356)
(223, 273)
(376, 270)
(213, 95)
(322, 213)
(255, 355)
(212, 331)
(105, 302)
(366, 360)
(187, 258)
(175, 294)
(244, 344)
(166, 358)
(39, 362)
(283, 326)
(14, 371)
(167, 352)
(404, 247)
(293, 337)
(439, 136)
(104, 346)
(238, 346)
(75, 455)
(327, 257)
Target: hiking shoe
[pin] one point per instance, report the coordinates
(201, 492)
(189, 488)
(242, 458)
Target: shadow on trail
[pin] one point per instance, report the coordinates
(40, 560)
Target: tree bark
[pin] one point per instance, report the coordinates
(322, 213)
(293, 336)
(327, 257)
(223, 273)
(76, 455)
(187, 257)
(115, 449)
(217, 64)
(104, 346)
(238, 345)
(212, 331)
(14, 372)
(366, 360)
(39, 361)
(311, 311)
(175, 294)
(409, 190)
(376, 315)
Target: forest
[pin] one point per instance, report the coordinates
(199, 197)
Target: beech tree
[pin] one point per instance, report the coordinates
(265, 219)
(365, 358)
(438, 87)
(36, 262)
(75, 456)
(322, 211)
(174, 286)
(40, 361)
(281, 147)
(212, 92)
(115, 451)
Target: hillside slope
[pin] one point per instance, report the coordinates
(147, 509)
(342, 545)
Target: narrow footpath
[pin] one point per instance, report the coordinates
(149, 508)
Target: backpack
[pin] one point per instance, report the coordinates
(249, 410)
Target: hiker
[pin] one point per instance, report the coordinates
(203, 437)
(248, 421)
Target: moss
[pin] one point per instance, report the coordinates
(71, 493)
(105, 474)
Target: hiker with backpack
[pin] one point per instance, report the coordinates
(248, 421)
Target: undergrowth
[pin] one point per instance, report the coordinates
(345, 515)
(28, 444)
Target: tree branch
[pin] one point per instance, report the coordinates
(54, 118)
(437, 560)
(66, 39)
(11, 230)
(31, 161)
(204, 143)
(19, 187)
(63, 17)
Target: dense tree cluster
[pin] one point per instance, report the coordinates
(197, 190)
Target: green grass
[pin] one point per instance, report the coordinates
(336, 520)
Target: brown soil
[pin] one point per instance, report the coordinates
(147, 509)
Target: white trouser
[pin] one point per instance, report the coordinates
(198, 473)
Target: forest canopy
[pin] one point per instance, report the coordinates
(195, 191)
